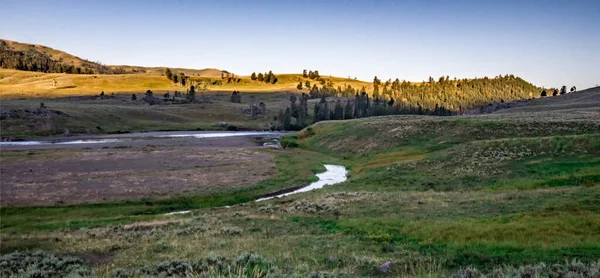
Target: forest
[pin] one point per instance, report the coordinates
(453, 94)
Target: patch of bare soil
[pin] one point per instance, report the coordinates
(104, 175)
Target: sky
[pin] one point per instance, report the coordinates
(549, 43)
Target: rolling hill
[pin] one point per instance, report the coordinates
(35, 71)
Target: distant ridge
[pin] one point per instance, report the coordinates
(40, 58)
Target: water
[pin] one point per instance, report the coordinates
(140, 136)
(222, 134)
(33, 143)
(334, 174)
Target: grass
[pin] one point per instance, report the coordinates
(120, 114)
(296, 167)
(24, 84)
(436, 196)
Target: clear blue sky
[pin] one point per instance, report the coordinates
(549, 43)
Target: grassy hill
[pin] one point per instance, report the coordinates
(85, 78)
(26, 84)
(25, 49)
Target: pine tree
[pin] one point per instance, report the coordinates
(192, 94)
(293, 105)
(375, 90)
(182, 79)
(307, 84)
(544, 93)
(304, 74)
(253, 76)
(338, 111)
(287, 122)
(391, 102)
(169, 74)
(348, 111)
(299, 86)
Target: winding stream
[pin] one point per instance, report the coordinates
(333, 175)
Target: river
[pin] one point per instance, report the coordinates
(133, 139)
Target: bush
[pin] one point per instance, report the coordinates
(573, 269)
(289, 143)
(246, 265)
(41, 264)
(232, 231)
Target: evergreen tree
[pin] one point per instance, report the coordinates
(555, 92)
(287, 123)
(304, 74)
(282, 118)
(236, 97)
(253, 76)
(182, 79)
(192, 94)
(175, 79)
(169, 74)
(261, 77)
(307, 84)
(293, 106)
(338, 111)
(303, 110)
(563, 90)
(299, 86)
(348, 111)
(375, 90)
(544, 93)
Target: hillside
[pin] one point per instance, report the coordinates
(39, 58)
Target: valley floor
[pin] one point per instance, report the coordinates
(501, 195)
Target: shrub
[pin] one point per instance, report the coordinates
(289, 143)
(41, 264)
(232, 231)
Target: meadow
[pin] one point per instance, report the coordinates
(511, 194)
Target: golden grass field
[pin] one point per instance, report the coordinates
(26, 84)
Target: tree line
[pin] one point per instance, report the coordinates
(180, 78)
(362, 105)
(33, 60)
(453, 94)
(311, 74)
(267, 77)
(563, 90)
